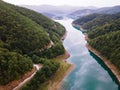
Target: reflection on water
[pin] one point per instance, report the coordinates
(104, 66)
(90, 72)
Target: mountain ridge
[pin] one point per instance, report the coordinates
(104, 10)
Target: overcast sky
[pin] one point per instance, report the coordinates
(98, 3)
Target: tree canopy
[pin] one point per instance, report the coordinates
(104, 34)
(24, 39)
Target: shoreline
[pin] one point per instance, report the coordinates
(71, 68)
(64, 36)
(55, 85)
(79, 27)
(107, 62)
(111, 66)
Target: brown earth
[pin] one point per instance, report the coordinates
(15, 83)
(111, 66)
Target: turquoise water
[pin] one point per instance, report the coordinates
(90, 73)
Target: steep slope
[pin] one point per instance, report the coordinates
(13, 65)
(85, 19)
(104, 34)
(26, 36)
(109, 46)
(107, 28)
(20, 33)
(93, 20)
(55, 31)
(50, 26)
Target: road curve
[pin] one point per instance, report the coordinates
(37, 66)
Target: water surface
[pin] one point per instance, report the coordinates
(90, 72)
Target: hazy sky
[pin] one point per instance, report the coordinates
(99, 3)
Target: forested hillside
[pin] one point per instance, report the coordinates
(104, 10)
(93, 20)
(25, 37)
(55, 31)
(104, 34)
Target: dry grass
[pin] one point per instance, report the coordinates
(65, 68)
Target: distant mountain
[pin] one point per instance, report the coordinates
(80, 13)
(104, 10)
(70, 11)
(108, 10)
(58, 11)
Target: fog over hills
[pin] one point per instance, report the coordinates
(71, 11)
(49, 10)
(105, 10)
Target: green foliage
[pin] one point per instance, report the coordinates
(85, 19)
(49, 68)
(104, 35)
(36, 59)
(93, 20)
(109, 46)
(25, 35)
(20, 33)
(52, 52)
(53, 28)
(109, 27)
(55, 32)
(13, 65)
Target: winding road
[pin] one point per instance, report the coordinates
(37, 66)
